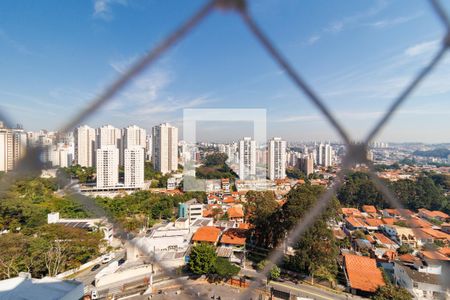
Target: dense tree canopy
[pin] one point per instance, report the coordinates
(359, 190)
(391, 292)
(202, 259)
(133, 211)
(317, 249)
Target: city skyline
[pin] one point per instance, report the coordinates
(357, 79)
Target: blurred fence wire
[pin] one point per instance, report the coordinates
(356, 152)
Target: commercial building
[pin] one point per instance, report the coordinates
(85, 146)
(277, 159)
(247, 158)
(191, 210)
(134, 167)
(107, 166)
(165, 148)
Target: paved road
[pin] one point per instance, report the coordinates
(87, 276)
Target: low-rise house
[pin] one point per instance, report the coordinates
(436, 235)
(433, 215)
(362, 245)
(396, 213)
(207, 234)
(434, 255)
(384, 241)
(402, 235)
(236, 213)
(422, 278)
(369, 209)
(363, 276)
(351, 212)
(445, 227)
(353, 223)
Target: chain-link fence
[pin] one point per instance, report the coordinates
(356, 153)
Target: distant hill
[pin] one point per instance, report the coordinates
(439, 152)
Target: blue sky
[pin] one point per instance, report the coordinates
(357, 55)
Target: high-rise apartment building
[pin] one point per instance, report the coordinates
(165, 148)
(247, 158)
(13, 144)
(134, 167)
(276, 162)
(306, 164)
(85, 146)
(132, 136)
(108, 135)
(324, 155)
(107, 166)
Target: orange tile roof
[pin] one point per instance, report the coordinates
(355, 222)
(435, 255)
(235, 212)
(383, 239)
(350, 211)
(445, 251)
(243, 225)
(373, 222)
(233, 236)
(370, 238)
(363, 273)
(228, 199)
(418, 223)
(435, 233)
(208, 234)
(440, 214)
(369, 209)
(388, 221)
(408, 258)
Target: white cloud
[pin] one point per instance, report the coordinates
(392, 22)
(340, 25)
(102, 8)
(313, 39)
(422, 48)
(150, 93)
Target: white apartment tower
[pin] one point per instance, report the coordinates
(247, 158)
(85, 146)
(324, 156)
(132, 136)
(328, 156)
(107, 166)
(13, 144)
(277, 159)
(108, 135)
(165, 148)
(134, 167)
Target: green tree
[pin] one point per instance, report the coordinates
(224, 268)
(275, 272)
(404, 249)
(391, 292)
(202, 259)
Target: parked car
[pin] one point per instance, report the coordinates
(94, 294)
(107, 258)
(95, 267)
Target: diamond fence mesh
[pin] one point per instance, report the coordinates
(356, 153)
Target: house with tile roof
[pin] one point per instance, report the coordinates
(236, 213)
(363, 276)
(433, 215)
(370, 209)
(207, 234)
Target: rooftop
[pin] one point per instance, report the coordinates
(363, 273)
(208, 234)
(233, 236)
(23, 287)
